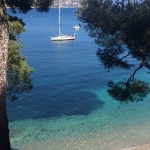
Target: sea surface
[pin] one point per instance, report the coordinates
(69, 107)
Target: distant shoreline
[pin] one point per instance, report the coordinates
(49, 7)
(60, 7)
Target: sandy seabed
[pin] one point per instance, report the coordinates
(143, 147)
(127, 139)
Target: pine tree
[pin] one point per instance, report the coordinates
(22, 6)
(121, 29)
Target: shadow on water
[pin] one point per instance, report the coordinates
(65, 104)
(77, 104)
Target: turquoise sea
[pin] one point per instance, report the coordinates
(69, 107)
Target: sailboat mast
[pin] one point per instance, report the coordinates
(59, 18)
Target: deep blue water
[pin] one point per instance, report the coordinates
(61, 69)
(70, 86)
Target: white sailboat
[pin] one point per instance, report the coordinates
(60, 36)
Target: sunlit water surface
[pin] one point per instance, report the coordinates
(69, 107)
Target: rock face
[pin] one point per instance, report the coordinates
(4, 38)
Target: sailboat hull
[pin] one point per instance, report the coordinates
(63, 38)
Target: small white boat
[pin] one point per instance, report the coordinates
(76, 27)
(60, 36)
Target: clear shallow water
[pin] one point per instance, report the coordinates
(69, 107)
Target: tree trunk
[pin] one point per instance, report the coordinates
(4, 38)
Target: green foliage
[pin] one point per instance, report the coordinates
(42, 5)
(18, 74)
(24, 6)
(15, 27)
(128, 91)
(119, 25)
